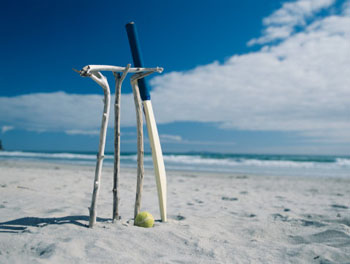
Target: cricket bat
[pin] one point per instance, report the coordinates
(157, 155)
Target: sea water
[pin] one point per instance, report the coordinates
(293, 165)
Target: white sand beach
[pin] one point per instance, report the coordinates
(213, 218)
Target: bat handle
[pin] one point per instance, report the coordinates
(137, 58)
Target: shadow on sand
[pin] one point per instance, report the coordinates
(20, 225)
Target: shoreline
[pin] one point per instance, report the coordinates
(257, 164)
(231, 218)
(108, 166)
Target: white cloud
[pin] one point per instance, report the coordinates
(82, 132)
(4, 129)
(170, 138)
(281, 23)
(59, 111)
(175, 139)
(50, 111)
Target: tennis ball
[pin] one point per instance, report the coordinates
(144, 219)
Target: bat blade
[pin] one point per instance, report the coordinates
(157, 156)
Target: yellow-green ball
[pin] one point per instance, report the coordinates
(144, 219)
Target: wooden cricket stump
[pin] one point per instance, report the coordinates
(94, 72)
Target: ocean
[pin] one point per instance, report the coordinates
(289, 165)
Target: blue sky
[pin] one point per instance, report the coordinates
(240, 76)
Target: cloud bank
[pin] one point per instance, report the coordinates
(72, 113)
(300, 83)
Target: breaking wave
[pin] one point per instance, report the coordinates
(241, 163)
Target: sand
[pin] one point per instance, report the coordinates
(213, 218)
